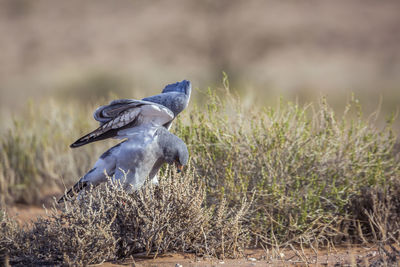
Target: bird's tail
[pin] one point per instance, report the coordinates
(79, 186)
(99, 134)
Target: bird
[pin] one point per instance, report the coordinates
(124, 117)
(133, 160)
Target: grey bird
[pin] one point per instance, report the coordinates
(135, 159)
(128, 115)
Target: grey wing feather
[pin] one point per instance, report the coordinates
(135, 114)
(106, 113)
(174, 96)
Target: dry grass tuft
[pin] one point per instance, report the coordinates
(109, 224)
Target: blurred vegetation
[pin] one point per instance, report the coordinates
(298, 49)
(35, 156)
(93, 87)
(316, 177)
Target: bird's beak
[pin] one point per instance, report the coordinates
(180, 167)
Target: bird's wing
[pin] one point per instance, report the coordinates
(181, 87)
(108, 112)
(174, 96)
(128, 118)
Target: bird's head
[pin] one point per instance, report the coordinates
(182, 158)
(176, 152)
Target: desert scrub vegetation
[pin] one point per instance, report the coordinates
(306, 165)
(109, 224)
(35, 158)
(314, 176)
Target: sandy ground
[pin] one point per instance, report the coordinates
(361, 256)
(290, 256)
(25, 214)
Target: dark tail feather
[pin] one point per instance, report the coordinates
(101, 134)
(86, 139)
(79, 186)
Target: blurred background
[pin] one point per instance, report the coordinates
(85, 50)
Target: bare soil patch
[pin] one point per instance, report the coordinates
(25, 214)
(363, 256)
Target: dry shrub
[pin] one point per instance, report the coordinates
(376, 212)
(172, 217)
(8, 230)
(109, 224)
(79, 236)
